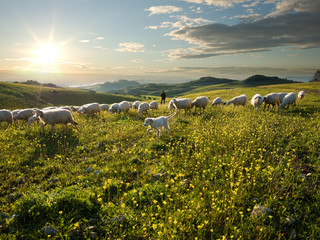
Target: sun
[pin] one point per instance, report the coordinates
(46, 57)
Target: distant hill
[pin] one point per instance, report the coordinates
(113, 86)
(258, 80)
(211, 82)
(15, 95)
(32, 82)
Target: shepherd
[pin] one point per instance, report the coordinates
(163, 97)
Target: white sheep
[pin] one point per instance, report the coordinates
(301, 94)
(104, 107)
(154, 105)
(33, 119)
(289, 99)
(135, 105)
(113, 108)
(200, 102)
(75, 108)
(271, 99)
(6, 116)
(256, 101)
(15, 112)
(90, 108)
(180, 103)
(143, 107)
(158, 123)
(23, 114)
(123, 106)
(55, 116)
(238, 101)
(281, 96)
(217, 101)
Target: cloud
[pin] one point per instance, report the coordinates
(297, 6)
(130, 47)
(218, 3)
(299, 30)
(137, 60)
(99, 38)
(84, 41)
(163, 9)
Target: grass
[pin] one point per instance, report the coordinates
(112, 180)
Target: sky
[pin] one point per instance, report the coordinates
(82, 42)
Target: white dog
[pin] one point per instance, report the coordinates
(158, 123)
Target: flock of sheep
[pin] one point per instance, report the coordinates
(64, 115)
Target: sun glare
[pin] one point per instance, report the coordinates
(46, 58)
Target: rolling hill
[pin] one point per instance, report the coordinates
(15, 95)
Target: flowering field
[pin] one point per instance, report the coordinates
(227, 173)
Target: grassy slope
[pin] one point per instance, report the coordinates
(13, 95)
(202, 180)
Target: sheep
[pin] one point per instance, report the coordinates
(158, 123)
(301, 95)
(75, 108)
(271, 99)
(66, 107)
(123, 106)
(143, 107)
(104, 107)
(281, 96)
(135, 105)
(33, 119)
(200, 102)
(217, 101)
(6, 116)
(239, 100)
(154, 105)
(23, 115)
(289, 99)
(55, 116)
(90, 108)
(15, 112)
(180, 103)
(113, 108)
(256, 101)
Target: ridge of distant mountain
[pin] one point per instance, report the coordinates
(113, 86)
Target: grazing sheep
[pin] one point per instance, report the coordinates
(55, 116)
(200, 102)
(143, 107)
(66, 107)
(180, 103)
(104, 107)
(6, 116)
(154, 105)
(23, 115)
(15, 112)
(90, 108)
(123, 106)
(49, 108)
(301, 95)
(289, 99)
(113, 108)
(239, 100)
(135, 105)
(271, 99)
(256, 101)
(217, 101)
(33, 119)
(281, 96)
(75, 108)
(158, 123)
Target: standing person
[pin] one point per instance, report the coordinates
(163, 97)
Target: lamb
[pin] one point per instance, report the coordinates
(256, 101)
(90, 108)
(113, 108)
(158, 123)
(143, 107)
(123, 106)
(104, 107)
(200, 102)
(271, 99)
(135, 105)
(180, 103)
(23, 114)
(301, 94)
(239, 100)
(289, 99)
(154, 105)
(217, 101)
(55, 116)
(6, 116)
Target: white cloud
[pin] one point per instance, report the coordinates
(130, 47)
(137, 60)
(163, 9)
(99, 38)
(84, 41)
(218, 3)
(250, 16)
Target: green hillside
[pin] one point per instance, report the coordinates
(227, 173)
(14, 95)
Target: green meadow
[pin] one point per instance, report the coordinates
(113, 180)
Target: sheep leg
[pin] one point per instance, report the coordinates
(158, 133)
